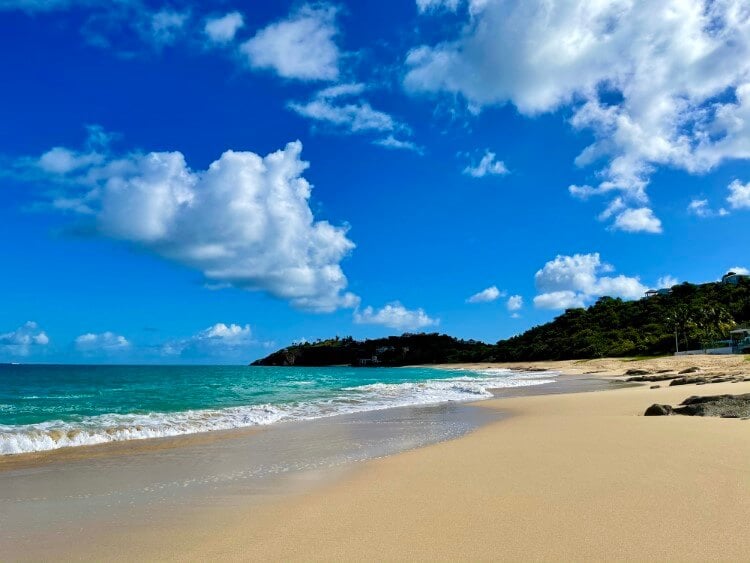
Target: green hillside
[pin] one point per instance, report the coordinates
(696, 315)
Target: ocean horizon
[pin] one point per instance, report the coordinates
(46, 407)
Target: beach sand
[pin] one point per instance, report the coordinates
(580, 476)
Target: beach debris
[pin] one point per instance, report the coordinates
(723, 406)
(655, 387)
(689, 370)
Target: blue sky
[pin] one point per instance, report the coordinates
(206, 182)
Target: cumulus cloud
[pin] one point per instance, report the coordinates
(300, 47)
(641, 220)
(223, 29)
(574, 281)
(244, 221)
(486, 295)
(487, 166)
(657, 83)
(395, 315)
(101, 342)
(560, 300)
(739, 195)
(23, 340)
(219, 339)
(515, 303)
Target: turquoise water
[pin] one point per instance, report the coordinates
(48, 407)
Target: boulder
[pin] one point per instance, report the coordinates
(724, 406)
(658, 410)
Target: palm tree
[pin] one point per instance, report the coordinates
(681, 320)
(713, 322)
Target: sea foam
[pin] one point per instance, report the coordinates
(54, 434)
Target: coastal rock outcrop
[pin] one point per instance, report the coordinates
(658, 410)
(724, 406)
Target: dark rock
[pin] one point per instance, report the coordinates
(661, 377)
(658, 410)
(725, 406)
(679, 381)
(690, 370)
(637, 372)
(663, 371)
(655, 386)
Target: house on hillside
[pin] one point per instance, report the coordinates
(655, 292)
(734, 278)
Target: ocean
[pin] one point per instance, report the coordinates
(45, 407)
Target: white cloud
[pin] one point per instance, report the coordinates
(641, 220)
(739, 270)
(573, 281)
(486, 295)
(395, 315)
(390, 142)
(666, 282)
(354, 117)
(657, 83)
(560, 300)
(101, 342)
(23, 340)
(342, 108)
(701, 208)
(739, 195)
(223, 29)
(334, 106)
(488, 166)
(244, 221)
(300, 47)
(341, 90)
(60, 160)
(515, 303)
(219, 339)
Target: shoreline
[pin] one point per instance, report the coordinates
(134, 445)
(576, 475)
(581, 476)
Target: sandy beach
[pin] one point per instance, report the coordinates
(577, 476)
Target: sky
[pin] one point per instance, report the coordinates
(205, 182)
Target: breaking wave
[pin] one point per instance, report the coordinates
(99, 429)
